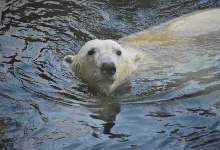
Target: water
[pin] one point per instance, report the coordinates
(173, 103)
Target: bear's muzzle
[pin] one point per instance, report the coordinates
(108, 68)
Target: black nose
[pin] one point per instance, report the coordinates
(108, 68)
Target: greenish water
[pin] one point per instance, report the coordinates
(173, 103)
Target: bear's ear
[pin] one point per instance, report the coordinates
(138, 58)
(68, 59)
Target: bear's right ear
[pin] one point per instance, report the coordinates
(68, 59)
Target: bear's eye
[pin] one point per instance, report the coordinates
(118, 52)
(91, 52)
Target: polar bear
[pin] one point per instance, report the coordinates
(178, 31)
(105, 64)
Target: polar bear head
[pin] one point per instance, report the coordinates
(104, 64)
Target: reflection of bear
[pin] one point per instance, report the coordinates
(105, 64)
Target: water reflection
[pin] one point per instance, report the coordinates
(43, 106)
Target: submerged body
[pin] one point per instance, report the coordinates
(179, 30)
(105, 64)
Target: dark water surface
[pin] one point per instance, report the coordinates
(164, 107)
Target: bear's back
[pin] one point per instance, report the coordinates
(179, 30)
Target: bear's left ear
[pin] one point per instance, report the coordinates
(138, 58)
(68, 59)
